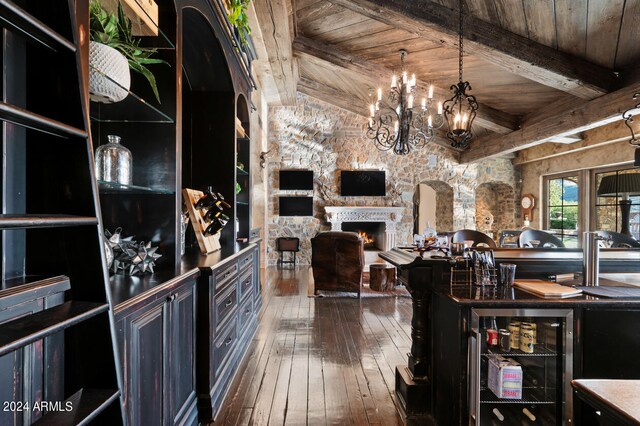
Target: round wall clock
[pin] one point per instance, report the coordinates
(527, 202)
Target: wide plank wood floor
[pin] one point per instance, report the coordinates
(320, 361)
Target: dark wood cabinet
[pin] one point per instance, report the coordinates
(157, 343)
(229, 301)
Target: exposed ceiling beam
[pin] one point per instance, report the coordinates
(318, 52)
(496, 45)
(585, 116)
(276, 24)
(357, 106)
(333, 96)
(604, 135)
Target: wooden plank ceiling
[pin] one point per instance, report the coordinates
(528, 62)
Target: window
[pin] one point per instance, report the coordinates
(608, 215)
(562, 195)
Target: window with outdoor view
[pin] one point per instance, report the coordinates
(615, 191)
(562, 209)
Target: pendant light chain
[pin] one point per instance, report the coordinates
(460, 43)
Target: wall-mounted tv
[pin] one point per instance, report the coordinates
(295, 206)
(296, 179)
(362, 183)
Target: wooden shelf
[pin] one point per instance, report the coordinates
(15, 18)
(16, 221)
(86, 403)
(34, 121)
(25, 330)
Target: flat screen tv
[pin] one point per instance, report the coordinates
(362, 183)
(296, 179)
(295, 206)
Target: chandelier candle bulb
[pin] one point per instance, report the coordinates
(379, 94)
(431, 93)
(395, 126)
(394, 82)
(424, 103)
(439, 108)
(372, 110)
(410, 101)
(404, 77)
(429, 122)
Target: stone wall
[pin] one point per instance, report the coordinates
(318, 136)
(496, 201)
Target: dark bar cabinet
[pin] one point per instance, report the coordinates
(445, 381)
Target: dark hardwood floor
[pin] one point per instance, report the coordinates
(317, 361)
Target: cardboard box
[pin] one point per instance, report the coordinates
(505, 377)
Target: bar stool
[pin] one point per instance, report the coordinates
(287, 244)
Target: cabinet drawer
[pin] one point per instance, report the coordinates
(223, 348)
(246, 261)
(246, 284)
(225, 305)
(225, 274)
(244, 315)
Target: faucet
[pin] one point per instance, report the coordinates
(591, 258)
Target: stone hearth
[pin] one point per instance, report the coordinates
(336, 215)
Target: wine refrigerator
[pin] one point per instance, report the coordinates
(520, 367)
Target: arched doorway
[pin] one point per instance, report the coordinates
(433, 205)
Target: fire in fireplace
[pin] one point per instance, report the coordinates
(371, 232)
(368, 239)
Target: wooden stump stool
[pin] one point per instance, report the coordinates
(382, 277)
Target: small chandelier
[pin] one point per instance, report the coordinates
(396, 125)
(628, 119)
(460, 110)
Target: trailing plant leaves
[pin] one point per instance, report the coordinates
(238, 18)
(114, 30)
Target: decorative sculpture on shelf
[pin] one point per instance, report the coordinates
(131, 257)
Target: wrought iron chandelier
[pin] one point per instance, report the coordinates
(460, 110)
(397, 125)
(628, 119)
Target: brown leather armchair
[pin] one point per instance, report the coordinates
(337, 259)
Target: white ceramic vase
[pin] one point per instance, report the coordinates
(109, 75)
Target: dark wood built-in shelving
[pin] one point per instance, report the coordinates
(31, 120)
(17, 19)
(27, 329)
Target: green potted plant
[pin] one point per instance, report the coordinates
(112, 52)
(237, 13)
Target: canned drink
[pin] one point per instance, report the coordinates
(505, 339)
(526, 339)
(492, 337)
(515, 335)
(534, 326)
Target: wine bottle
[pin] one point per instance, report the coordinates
(208, 199)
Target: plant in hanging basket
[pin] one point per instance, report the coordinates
(112, 52)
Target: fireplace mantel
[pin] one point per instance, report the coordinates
(389, 215)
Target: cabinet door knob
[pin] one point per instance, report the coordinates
(229, 302)
(171, 297)
(228, 342)
(246, 260)
(247, 312)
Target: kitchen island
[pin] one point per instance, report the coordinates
(444, 381)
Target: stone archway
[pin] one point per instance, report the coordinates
(433, 202)
(496, 200)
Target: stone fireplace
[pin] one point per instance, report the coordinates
(381, 220)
